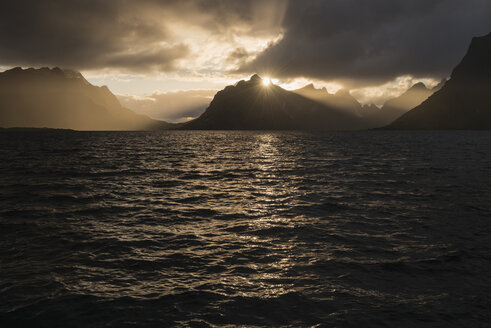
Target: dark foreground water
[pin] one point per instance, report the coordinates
(245, 228)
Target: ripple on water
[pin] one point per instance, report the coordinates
(245, 228)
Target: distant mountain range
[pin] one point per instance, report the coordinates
(56, 98)
(64, 99)
(250, 105)
(396, 107)
(464, 102)
(341, 100)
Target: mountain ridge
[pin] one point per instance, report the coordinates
(463, 103)
(396, 107)
(57, 98)
(251, 105)
(64, 99)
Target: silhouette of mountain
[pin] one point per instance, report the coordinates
(464, 102)
(396, 107)
(252, 105)
(370, 116)
(341, 100)
(369, 110)
(56, 98)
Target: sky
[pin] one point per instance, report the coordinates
(168, 58)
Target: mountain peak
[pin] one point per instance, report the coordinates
(463, 102)
(57, 98)
(71, 74)
(256, 78)
(343, 93)
(476, 64)
(15, 69)
(419, 86)
(246, 106)
(43, 72)
(308, 88)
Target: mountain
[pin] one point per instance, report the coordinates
(396, 107)
(251, 105)
(464, 102)
(371, 116)
(341, 100)
(369, 110)
(56, 98)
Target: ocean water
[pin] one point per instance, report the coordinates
(199, 229)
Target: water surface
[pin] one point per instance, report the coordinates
(245, 228)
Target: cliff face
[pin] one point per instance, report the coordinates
(464, 102)
(56, 98)
(252, 105)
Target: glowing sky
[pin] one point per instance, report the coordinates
(149, 49)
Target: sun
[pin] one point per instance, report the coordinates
(266, 81)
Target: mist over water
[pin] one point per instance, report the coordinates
(190, 228)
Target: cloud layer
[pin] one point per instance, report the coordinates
(131, 36)
(81, 34)
(369, 42)
(354, 42)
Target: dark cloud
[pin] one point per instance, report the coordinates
(82, 34)
(366, 42)
(94, 34)
(354, 41)
(161, 58)
(239, 55)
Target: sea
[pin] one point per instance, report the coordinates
(245, 229)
